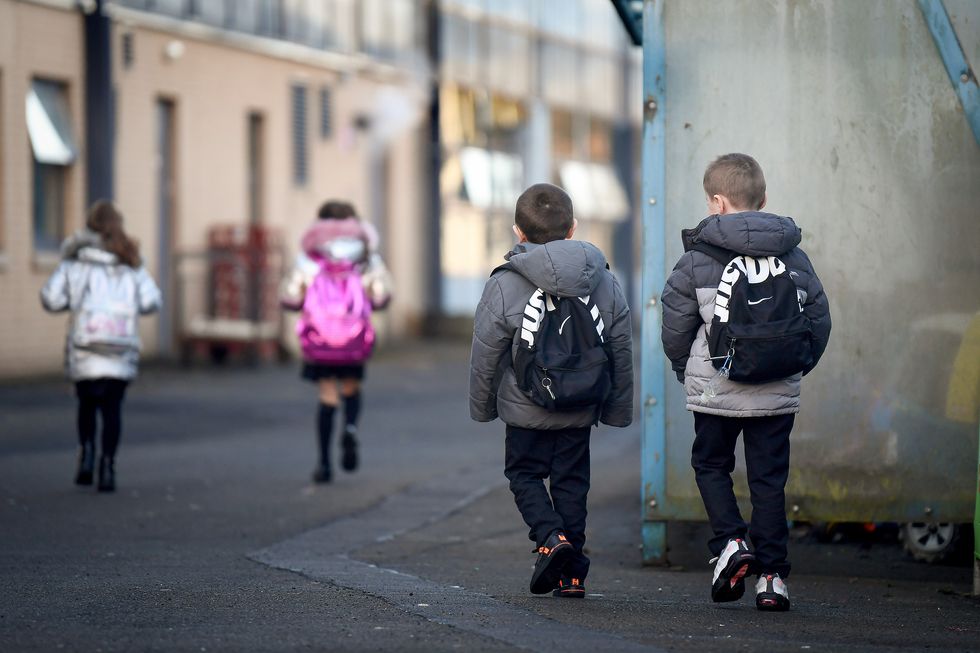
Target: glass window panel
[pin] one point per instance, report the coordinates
(600, 141)
(211, 12)
(610, 196)
(516, 10)
(603, 78)
(562, 135)
(294, 14)
(388, 26)
(477, 180)
(576, 179)
(560, 74)
(402, 25)
(243, 15)
(300, 150)
(268, 23)
(49, 123)
(339, 28)
(49, 206)
(509, 63)
(562, 17)
(172, 7)
(460, 48)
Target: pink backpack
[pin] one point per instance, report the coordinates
(335, 325)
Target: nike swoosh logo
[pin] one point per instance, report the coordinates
(562, 326)
(752, 303)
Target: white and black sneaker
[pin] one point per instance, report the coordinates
(772, 595)
(731, 568)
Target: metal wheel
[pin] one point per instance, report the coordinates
(930, 542)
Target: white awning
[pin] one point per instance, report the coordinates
(596, 191)
(491, 179)
(49, 124)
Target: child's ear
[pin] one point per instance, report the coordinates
(571, 232)
(765, 198)
(521, 238)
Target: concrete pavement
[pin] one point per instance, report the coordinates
(217, 540)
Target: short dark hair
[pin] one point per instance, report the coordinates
(739, 178)
(544, 213)
(336, 210)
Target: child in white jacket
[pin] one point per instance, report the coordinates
(102, 282)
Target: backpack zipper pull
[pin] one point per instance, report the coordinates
(546, 383)
(726, 367)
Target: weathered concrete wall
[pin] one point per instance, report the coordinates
(849, 110)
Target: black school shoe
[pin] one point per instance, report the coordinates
(107, 475)
(349, 444)
(322, 474)
(570, 588)
(553, 555)
(772, 595)
(86, 464)
(731, 568)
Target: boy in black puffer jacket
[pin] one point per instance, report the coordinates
(548, 280)
(765, 246)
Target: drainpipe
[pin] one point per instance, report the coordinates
(99, 105)
(433, 150)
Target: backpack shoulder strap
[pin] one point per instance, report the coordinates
(719, 254)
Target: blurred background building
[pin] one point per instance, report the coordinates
(220, 126)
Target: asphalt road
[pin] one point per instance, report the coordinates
(217, 541)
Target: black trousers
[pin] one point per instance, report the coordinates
(562, 456)
(767, 466)
(101, 396)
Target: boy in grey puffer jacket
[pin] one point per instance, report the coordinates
(764, 412)
(539, 443)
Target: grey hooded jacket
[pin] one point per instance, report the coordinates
(688, 302)
(563, 268)
(82, 258)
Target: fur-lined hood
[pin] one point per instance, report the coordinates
(321, 233)
(81, 239)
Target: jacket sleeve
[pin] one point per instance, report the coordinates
(54, 295)
(377, 282)
(817, 309)
(147, 293)
(618, 408)
(492, 341)
(681, 314)
(292, 291)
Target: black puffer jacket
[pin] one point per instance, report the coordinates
(562, 268)
(688, 305)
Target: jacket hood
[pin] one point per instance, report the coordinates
(321, 233)
(81, 239)
(97, 256)
(564, 268)
(751, 232)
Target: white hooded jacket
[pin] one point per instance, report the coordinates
(85, 262)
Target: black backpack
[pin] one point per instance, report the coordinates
(561, 362)
(759, 331)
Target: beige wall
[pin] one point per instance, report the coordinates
(214, 87)
(30, 340)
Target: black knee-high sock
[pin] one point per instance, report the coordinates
(87, 409)
(352, 408)
(325, 429)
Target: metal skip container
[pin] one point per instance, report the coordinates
(860, 116)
